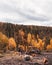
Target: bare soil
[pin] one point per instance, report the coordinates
(15, 58)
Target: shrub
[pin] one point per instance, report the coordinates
(12, 44)
(3, 41)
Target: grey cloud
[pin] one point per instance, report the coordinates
(9, 20)
(36, 18)
(11, 9)
(26, 13)
(6, 8)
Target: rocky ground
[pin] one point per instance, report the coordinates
(16, 58)
(49, 57)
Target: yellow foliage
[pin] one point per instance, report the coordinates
(12, 43)
(21, 32)
(40, 44)
(33, 36)
(3, 38)
(22, 47)
(49, 47)
(39, 40)
(51, 42)
(33, 42)
(3, 41)
(29, 38)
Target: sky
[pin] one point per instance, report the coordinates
(26, 12)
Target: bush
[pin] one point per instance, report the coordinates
(12, 44)
(3, 41)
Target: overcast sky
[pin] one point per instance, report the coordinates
(27, 12)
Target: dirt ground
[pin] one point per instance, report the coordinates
(49, 56)
(15, 58)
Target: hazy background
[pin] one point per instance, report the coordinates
(27, 12)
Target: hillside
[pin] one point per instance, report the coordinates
(20, 33)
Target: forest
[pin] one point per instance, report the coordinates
(14, 36)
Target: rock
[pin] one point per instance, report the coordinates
(45, 60)
(28, 57)
(1, 55)
(34, 51)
